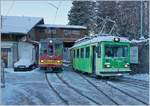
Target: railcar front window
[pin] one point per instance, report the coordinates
(43, 48)
(50, 50)
(58, 49)
(116, 51)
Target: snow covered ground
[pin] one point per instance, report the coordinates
(144, 77)
(25, 88)
(31, 88)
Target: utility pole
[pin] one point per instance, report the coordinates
(141, 34)
(56, 10)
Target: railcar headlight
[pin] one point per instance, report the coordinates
(126, 65)
(50, 41)
(107, 65)
(58, 61)
(116, 39)
(42, 61)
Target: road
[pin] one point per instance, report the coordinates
(71, 88)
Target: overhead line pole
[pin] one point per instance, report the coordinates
(141, 35)
(56, 10)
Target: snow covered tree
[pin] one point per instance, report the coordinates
(126, 14)
(82, 13)
(106, 9)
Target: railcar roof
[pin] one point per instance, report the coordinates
(99, 38)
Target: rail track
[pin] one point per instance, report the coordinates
(126, 93)
(76, 90)
(133, 85)
(139, 82)
(136, 79)
(132, 82)
(50, 85)
(111, 85)
(139, 85)
(98, 89)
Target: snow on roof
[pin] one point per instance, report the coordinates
(139, 41)
(62, 26)
(99, 38)
(18, 24)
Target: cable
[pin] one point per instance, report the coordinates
(10, 7)
(56, 12)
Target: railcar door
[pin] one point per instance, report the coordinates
(93, 59)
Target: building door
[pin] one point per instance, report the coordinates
(4, 55)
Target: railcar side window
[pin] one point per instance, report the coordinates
(98, 50)
(87, 52)
(58, 49)
(74, 53)
(77, 53)
(82, 52)
(43, 48)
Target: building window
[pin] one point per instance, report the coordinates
(71, 32)
(67, 32)
(41, 30)
(82, 52)
(75, 32)
(50, 31)
(87, 52)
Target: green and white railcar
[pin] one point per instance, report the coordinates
(102, 55)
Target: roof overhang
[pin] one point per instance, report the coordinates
(61, 26)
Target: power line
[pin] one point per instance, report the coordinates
(52, 5)
(57, 7)
(57, 12)
(10, 7)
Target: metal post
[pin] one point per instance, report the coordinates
(2, 74)
(103, 26)
(141, 19)
(112, 29)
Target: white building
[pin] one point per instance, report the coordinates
(16, 29)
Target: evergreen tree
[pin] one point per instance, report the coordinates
(106, 10)
(82, 13)
(126, 14)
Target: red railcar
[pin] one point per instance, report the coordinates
(50, 54)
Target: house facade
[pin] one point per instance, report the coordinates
(16, 29)
(67, 33)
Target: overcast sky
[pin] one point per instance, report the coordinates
(38, 9)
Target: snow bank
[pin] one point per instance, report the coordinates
(26, 54)
(15, 95)
(139, 41)
(11, 70)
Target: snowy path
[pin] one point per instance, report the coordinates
(28, 88)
